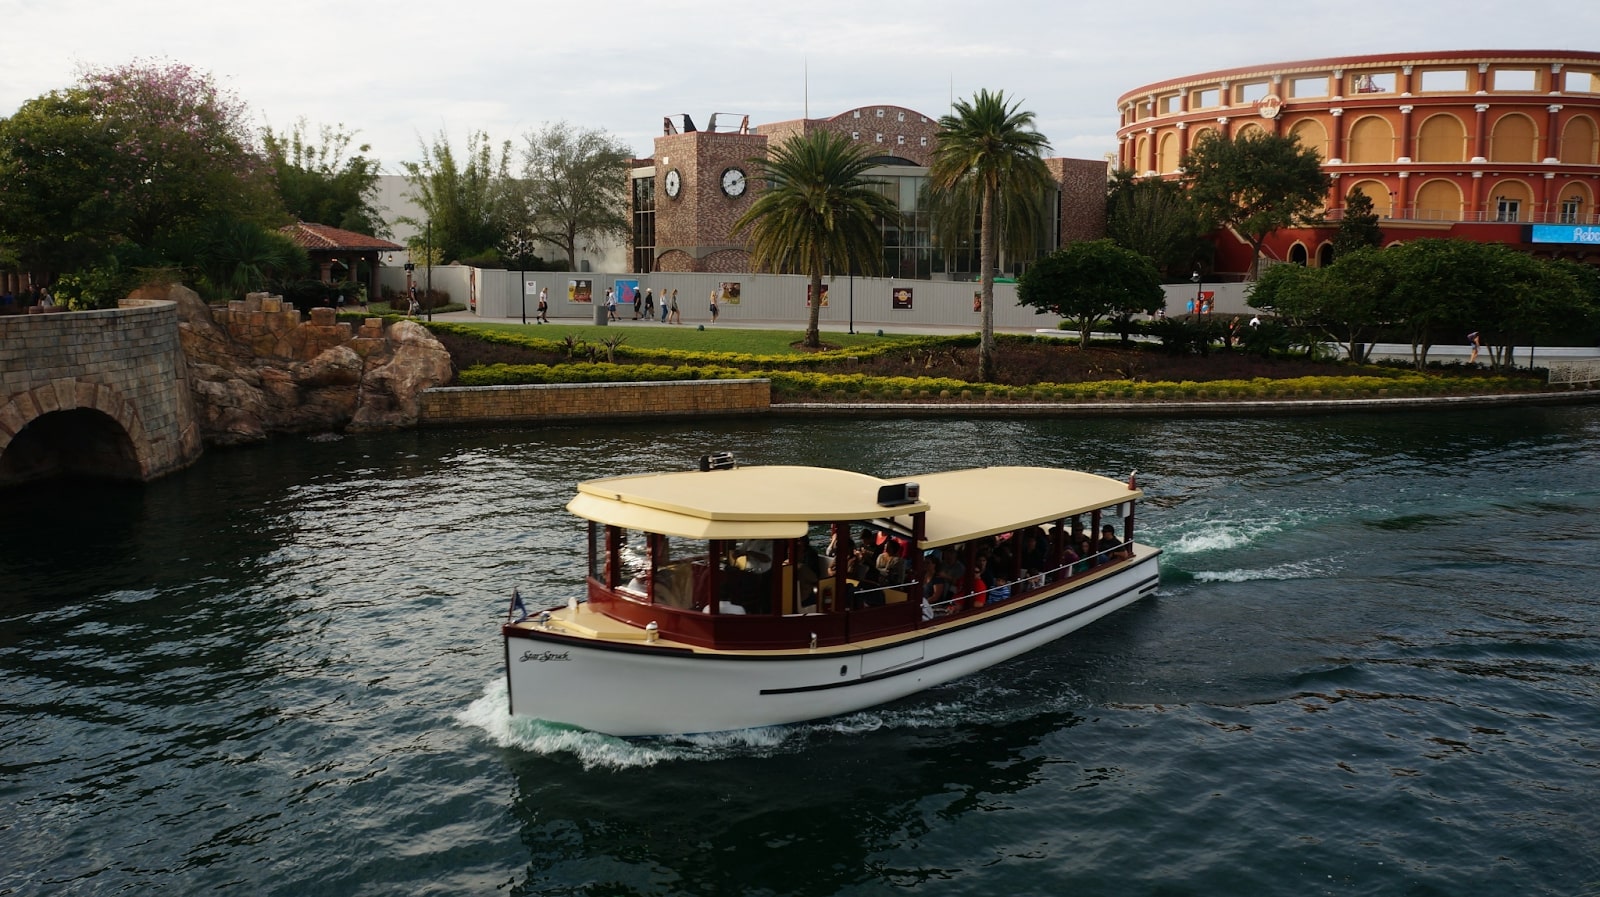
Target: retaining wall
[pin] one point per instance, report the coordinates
(455, 405)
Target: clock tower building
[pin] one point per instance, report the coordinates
(704, 180)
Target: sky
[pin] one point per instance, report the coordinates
(402, 72)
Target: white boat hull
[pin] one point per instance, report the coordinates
(630, 688)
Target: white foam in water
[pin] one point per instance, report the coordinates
(1295, 570)
(490, 714)
(1206, 534)
(974, 702)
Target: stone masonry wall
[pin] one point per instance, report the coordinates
(593, 401)
(125, 362)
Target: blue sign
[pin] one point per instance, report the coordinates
(1565, 233)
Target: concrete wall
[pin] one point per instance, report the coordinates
(777, 298)
(593, 401)
(123, 368)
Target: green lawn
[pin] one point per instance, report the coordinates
(687, 337)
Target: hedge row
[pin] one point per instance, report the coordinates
(860, 387)
(690, 357)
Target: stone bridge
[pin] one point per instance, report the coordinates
(95, 393)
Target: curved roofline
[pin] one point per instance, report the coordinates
(1362, 61)
(932, 119)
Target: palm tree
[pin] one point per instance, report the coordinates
(989, 155)
(819, 213)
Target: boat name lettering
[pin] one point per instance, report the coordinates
(544, 656)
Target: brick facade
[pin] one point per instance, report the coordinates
(458, 405)
(694, 230)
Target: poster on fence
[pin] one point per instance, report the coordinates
(730, 293)
(824, 295)
(627, 292)
(902, 297)
(580, 291)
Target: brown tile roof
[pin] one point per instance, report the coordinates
(322, 237)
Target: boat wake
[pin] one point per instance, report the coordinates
(976, 700)
(1221, 537)
(1308, 569)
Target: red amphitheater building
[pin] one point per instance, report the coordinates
(1496, 146)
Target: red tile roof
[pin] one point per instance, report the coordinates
(322, 237)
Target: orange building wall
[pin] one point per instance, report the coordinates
(1436, 140)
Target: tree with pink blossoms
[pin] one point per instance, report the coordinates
(130, 165)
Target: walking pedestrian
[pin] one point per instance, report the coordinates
(649, 305)
(611, 306)
(675, 318)
(1476, 344)
(544, 306)
(713, 306)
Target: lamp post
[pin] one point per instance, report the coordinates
(429, 291)
(852, 298)
(1199, 292)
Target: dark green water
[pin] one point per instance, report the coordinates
(1374, 669)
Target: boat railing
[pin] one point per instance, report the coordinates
(1017, 587)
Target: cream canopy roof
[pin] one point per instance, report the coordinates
(780, 502)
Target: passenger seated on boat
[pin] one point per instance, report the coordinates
(995, 586)
(1069, 561)
(891, 563)
(1034, 550)
(935, 592)
(1111, 547)
(863, 566)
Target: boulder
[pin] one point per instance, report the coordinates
(254, 368)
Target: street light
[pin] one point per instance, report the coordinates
(1199, 292)
(429, 290)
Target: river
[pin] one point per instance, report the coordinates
(1373, 669)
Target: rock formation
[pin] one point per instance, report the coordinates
(256, 369)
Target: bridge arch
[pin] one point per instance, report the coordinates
(101, 393)
(72, 428)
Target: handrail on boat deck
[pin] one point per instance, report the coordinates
(1064, 571)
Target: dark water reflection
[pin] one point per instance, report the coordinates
(1372, 670)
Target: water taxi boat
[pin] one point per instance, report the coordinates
(712, 606)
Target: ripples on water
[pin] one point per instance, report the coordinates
(1372, 670)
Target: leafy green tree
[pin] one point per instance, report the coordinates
(1358, 228)
(464, 203)
(1154, 218)
(131, 156)
(1530, 300)
(989, 156)
(574, 187)
(319, 183)
(1085, 282)
(819, 213)
(1584, 327)
(1345, 302)
(1254, 183)
(242, 256)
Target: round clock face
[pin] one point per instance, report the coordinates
(733, 182)
(674, 183)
